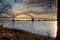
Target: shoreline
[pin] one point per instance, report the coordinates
(17, 34)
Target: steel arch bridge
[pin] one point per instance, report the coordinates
(25, 14)
(13, 16)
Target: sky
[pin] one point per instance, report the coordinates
(27, 6)
(9, 1)
(30, 1)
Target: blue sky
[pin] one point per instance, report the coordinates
(9, 1)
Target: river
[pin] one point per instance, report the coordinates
(39, 27)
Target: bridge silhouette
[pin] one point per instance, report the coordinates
(13, 16)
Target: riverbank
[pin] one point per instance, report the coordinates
(17, 34)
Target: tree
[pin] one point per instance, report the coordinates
(18, 0)
(52, 3)
(4, 7)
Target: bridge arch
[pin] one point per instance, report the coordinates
(23, 16)
(5, 16)
(10, 14)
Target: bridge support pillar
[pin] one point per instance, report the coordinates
(32, 19)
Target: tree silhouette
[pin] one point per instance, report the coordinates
(4, 7)
(51, 4)
(18, 0)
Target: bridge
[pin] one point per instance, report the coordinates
(12, 16)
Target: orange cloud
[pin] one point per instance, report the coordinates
(17, 11)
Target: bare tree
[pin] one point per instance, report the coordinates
(52, 3)
(4, 7)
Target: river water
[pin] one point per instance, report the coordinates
(39, 27)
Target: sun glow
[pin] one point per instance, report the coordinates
(23, 17)
(17, 11)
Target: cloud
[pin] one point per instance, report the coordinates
(45, 2)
